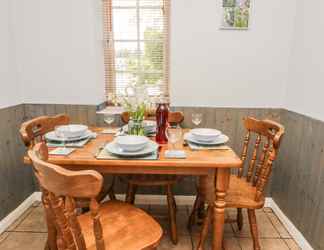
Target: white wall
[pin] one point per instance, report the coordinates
(305, 90)
(213, 67)
(59, 51)
(60, 58)
(9, 91)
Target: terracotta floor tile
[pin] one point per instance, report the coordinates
(3, 236)
(34, 222)
(183, 244)
(231, 242)
(14, 225)
(267, 210)
(292, 244)
(279, 226)
(25, 241)
(266, 244)
(266, 229)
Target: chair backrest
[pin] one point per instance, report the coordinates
(60, 187)
(33, 131)
(173, 118)
(265, 134)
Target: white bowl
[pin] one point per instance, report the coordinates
(131, 143)
(71, 131)
(205, 134)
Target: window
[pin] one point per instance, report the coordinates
(136, 45)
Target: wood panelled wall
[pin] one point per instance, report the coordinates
(16, 182)
(229, 120)
(298, 182)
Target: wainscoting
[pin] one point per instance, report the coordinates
(298, 180)
(16, 182)
(297, 184)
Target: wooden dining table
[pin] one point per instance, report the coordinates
(212, 166)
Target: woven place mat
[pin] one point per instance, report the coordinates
(105, 155)
(76, 144)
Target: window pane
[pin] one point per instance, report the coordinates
(151, 23)
(151, 3)
(124, 3)
(126, 56)
(151, 57)
(122, 81)
(124, 21)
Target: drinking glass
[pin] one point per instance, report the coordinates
(196, 118)
(109, 119)
(174, 135)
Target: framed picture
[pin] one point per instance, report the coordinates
(235, 14)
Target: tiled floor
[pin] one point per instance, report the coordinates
(29, 231)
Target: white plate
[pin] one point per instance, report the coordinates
(51, 136)
(150, 147)
(205, 134)
(131, 143)
(222, 139)
(72, 130)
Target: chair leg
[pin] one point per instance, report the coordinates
(111, 192)
(131, 191)
(205, 228)
(239, 219)
(192, 217)
(172, 215)
(254, 229)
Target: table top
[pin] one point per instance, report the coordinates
(197, 162)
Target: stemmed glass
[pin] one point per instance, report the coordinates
(109, 119)
(196, 118)
(174, 135)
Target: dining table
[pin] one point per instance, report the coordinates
(213, 167)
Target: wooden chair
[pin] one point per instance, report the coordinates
(166, 181)
(113, 225)
(33, 131)
(247, 187)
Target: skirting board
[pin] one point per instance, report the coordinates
(14, 215)
(161, 200)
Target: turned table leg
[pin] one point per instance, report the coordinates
(221, 186)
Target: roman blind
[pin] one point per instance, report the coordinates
(136, 51)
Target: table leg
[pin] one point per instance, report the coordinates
(221, 186)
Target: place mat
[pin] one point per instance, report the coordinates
(71, 144)
(194, 146)
(76, 144)
(105, 155)
(61, 151)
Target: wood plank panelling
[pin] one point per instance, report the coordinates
(16, 182)
(298, 184)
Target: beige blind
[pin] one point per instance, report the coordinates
(136, 34)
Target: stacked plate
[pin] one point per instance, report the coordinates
(69, 133)
(131, 145)
(149, 127)
(206, 136)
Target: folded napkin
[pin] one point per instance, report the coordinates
(175, 154)
(61, 151)
(105, 155)
(194, 146)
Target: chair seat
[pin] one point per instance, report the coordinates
(125, 227)
(241, 194)
(153, 180)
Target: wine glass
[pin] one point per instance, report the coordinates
(196, 118)
(109, 119)
(174, 135)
